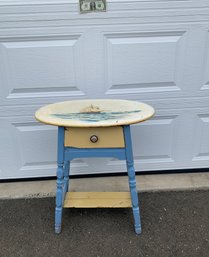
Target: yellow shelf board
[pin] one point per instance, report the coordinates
(97, 200)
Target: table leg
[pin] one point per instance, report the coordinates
(66, 176)
(59, 198)
(132, 179)
(60, 180)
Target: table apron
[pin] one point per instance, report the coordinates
(71, 153)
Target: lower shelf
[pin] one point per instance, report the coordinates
(97, 200)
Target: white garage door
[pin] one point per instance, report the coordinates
(152, 51)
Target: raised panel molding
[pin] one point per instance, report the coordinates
(40, 67)
(201, 142)
(206, 66)
(144, 62)
(148, 137)
(30, 149)
(36, 145)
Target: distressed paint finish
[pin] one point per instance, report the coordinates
(66, 175)
(107, 137)
(72, 153)
(97, 200)
(94, 113)
(109, 121)
(132, 179)
(66, 154)
(60, 180)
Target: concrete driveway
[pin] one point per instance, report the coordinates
(175, 224)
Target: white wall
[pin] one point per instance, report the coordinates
(152, 51)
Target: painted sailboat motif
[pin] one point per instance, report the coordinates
(91, 109)
(93, 113)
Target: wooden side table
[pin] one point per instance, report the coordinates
(94, 128)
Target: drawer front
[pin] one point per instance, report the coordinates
(110, 137)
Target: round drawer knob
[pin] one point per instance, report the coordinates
(94, 139)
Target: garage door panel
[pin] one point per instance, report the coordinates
(201, 138)
(144, 62)
(40, 67)
(36, 143)
(8, 161)
(29, 148)
(150, 135)
(154, 144)
(205, 72)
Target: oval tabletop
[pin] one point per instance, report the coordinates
(94, 113)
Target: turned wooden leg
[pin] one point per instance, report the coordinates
(132, 179)
(59, 198)
(60, 180)
(66, 176)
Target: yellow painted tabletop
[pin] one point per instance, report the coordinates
(94, 113)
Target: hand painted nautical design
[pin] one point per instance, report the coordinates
(93, 113)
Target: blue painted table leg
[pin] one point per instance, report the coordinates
(60, 181)
(59, 198)
(132, 179)
(66, 175)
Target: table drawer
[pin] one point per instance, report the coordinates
(107, 137)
